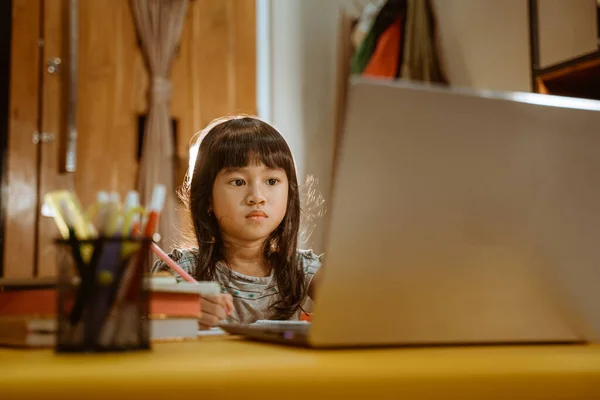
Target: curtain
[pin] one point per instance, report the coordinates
(420, 54)
(159, 24)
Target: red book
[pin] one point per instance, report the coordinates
(28, 302)
(43, 302)
(175, 304)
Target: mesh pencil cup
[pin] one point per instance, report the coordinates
(102, 302)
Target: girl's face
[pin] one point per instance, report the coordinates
(249, 203)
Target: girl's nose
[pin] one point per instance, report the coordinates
(255, 196)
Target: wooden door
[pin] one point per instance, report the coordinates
(213, 75)
(52, 118)
(22, 175)
(106, 118)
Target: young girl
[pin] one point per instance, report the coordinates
(245, 209)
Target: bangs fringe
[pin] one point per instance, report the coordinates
(241, 149)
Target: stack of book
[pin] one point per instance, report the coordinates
(28, 310)
(175, 307)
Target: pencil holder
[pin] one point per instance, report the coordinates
(102, 302)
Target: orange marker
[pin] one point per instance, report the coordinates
(156, 205)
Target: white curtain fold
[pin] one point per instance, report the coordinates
(159, 24)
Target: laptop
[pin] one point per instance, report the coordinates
(458, 217)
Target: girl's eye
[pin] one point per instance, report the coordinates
(237, 182)
(272, 181)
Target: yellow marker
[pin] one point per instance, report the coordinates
(76, 218)
(129, 220)
(68, 213)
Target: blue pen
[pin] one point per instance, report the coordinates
(107, 274)
(105, 280)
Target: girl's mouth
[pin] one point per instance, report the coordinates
(256, 215)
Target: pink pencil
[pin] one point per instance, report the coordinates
(172, 264)
(156, 205)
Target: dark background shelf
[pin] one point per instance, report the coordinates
(576, 77)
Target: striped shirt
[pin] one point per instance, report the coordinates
(252, 295)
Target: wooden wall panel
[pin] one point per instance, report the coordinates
(214, 74)
(22, 179)
(184, 95)
(244, 44)
(213, 59)
(106, 118)
(52, 121)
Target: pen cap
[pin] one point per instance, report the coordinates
(102, 197)
(158, 198)
(132, 200)
(114, 198)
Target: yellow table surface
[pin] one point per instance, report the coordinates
(213, 368)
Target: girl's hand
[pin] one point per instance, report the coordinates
(214, 309)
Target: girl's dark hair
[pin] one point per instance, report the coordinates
(236, 143)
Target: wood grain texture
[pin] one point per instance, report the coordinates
(22, 179)
(244, 51)
(52, 121)
(213, 75)
(106, 118)
(213, 59)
